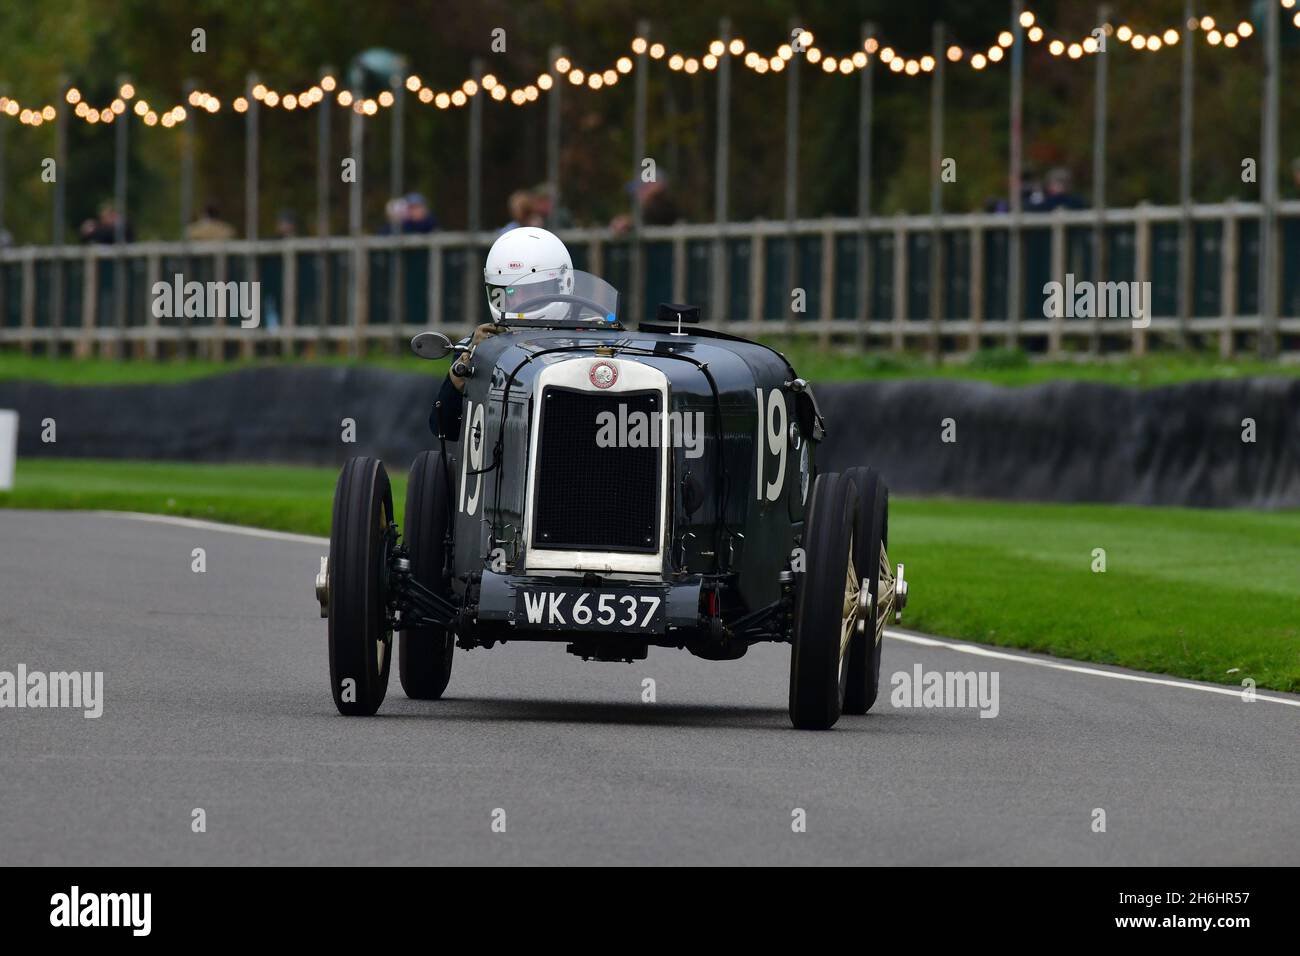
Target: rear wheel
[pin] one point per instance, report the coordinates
(826, 610)
(871, 540)
(361, 543)
(424, 654)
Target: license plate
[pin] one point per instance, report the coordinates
(617, 611)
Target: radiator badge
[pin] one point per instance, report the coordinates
(603, 375)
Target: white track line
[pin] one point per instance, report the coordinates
(920, 639)
(1077, 668)
(218, 526)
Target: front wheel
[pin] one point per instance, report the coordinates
(424, 653)
(872, 562)
(361, 542)
(827, 607)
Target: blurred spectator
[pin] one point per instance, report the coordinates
(409, 214)
(6, 238)
(545, 212)
(103, 229)
(209, 227)
(1295, 172)
(1056, 191)
(658, 208)
(286, 224)
(1057, 194)
(522, 211)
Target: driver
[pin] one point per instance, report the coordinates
(523, 264)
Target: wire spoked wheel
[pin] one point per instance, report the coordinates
(828, 607)
(362, 539)
(850, 623)
(877, 599)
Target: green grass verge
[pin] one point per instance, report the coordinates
(1208, 595)
(14, 366)
(1188, 592)
(280, 497)
(814, 362)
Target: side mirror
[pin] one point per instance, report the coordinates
(431, 345)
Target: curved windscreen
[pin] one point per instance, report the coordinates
(569, 296)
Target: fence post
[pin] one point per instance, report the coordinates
(827, 282)
(722, 148)
(793, 278)
(4, 91)
(1228, 277)
(792, 123)
(1142, 272)
(473, 219)
(1015, 308)
(1056, 326)
(865, 109)
(474, 211)
(1185, 226)
(85, 344)
(216, 344)
(289, 300)
(60, 164)
(185, 203)
(28, 301)
(396, 290)
(323, 124)
(59, 266)
(1099, 177)
(1268, 304)
(553, 132)
(937, 297)
(679, 267)
(153, 273)
(640, 106)
(900, 283)
(976, 286)
(119, 230)
(250, 159)
(357, 136)
(252, 146)
(435, 287)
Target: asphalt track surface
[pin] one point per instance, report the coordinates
(216, 697)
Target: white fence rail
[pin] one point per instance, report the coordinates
(904, 282)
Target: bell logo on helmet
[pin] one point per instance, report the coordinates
(603, 375)
(514, 265)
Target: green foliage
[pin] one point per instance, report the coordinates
(288, 43)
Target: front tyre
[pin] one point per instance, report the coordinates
(424, 654)
(871, 539)
(361, 542)
(827, 607)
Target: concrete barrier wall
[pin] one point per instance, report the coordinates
(1063, 441)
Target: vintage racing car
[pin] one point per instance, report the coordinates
(614, 489)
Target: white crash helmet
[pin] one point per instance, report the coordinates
(526, 263)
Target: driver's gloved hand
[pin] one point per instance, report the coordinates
(482, 332)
